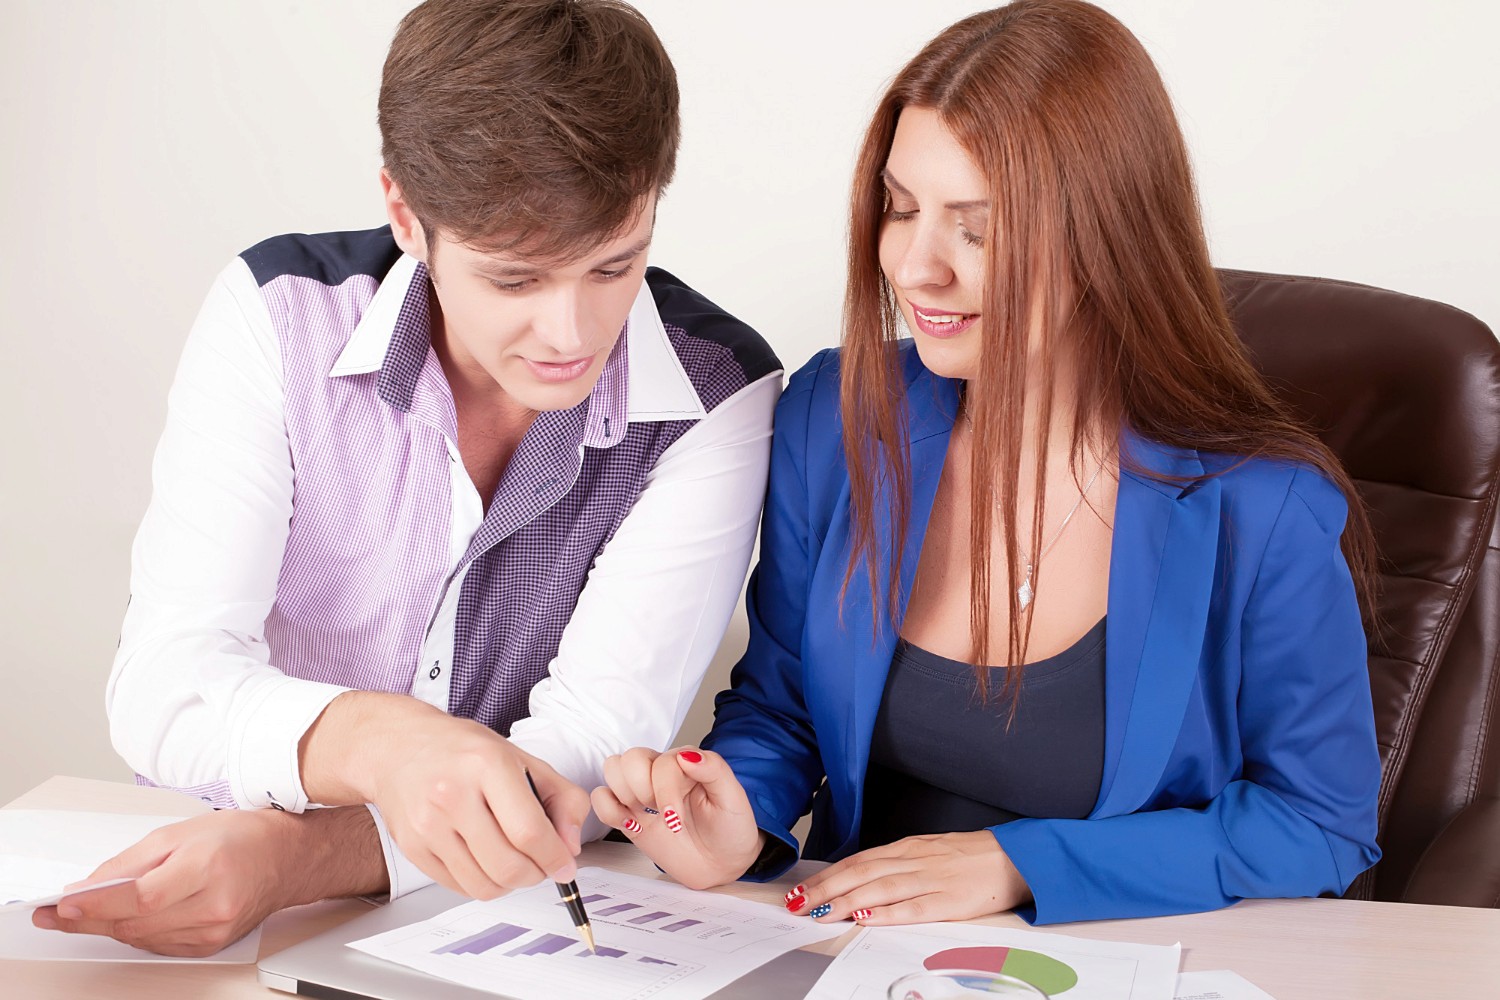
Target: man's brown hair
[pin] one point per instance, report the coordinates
(530, 126)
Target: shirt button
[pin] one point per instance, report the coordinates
(433, 673)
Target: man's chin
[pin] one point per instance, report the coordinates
(535, 394)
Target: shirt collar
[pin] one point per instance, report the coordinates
(643, 380)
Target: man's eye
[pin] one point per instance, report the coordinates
(510, 286)
(612, 275)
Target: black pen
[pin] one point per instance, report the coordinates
(569, 891)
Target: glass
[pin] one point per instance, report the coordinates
(961, 984)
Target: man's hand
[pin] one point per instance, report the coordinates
(946, 876)
(453, 793)
(685, 809)
(206, 882)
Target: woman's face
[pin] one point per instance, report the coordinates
(932, 241)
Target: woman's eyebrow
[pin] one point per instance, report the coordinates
(952, 206)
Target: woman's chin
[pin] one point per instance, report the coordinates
(948, 359)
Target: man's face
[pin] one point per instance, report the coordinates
(538, 330)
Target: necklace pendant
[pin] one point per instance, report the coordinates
(1024, 593)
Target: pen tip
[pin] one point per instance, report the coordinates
(588, 938)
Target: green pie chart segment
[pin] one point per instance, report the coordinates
(1042, 971)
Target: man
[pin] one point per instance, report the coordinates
(437, 505)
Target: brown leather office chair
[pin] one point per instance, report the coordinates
(1407, 393)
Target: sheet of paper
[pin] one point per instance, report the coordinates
(26, 883)
(41, 851)
(78, 838)
(20, 940)
(655, 940)
(1063, 967)
(1218, 985)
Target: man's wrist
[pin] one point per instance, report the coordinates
(326, 854)
(347, 746)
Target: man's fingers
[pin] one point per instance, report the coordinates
(525, 822)
(137, 859)
(502, 865)
(567, 806)
(165, 879)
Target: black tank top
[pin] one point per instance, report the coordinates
(943, 762)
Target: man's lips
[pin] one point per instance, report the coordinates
(560, 371)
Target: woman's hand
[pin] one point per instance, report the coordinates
(946, 876)
(685, 809)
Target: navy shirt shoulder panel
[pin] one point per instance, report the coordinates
(682, 307)
(329, 258)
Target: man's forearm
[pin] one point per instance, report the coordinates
(330, 853)
(340, 754)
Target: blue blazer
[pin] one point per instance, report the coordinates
(1240, 756)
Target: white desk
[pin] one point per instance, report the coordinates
(1294, 949)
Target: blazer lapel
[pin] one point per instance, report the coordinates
(1161, 571)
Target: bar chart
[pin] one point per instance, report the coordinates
(656, 942)
(679, 914)
(528, 942)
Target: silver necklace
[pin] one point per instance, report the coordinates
(1025, 593)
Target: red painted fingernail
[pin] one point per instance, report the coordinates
(673, 821)
(796, 903)
(631, 826)
(691, 756)
(860, 915)
(798, 891)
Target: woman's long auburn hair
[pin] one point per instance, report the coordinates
(1092, 198)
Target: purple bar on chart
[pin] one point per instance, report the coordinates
(682, 925)
(646, 918)
(478, 944)
(603, 952)
(654, 961)
(587, 899)
(547, 944)
(610, 911)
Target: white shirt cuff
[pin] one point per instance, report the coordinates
(405, 877)
(263, 737)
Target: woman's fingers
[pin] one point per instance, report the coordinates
(612, 812)
(689, 777)
(629, 778)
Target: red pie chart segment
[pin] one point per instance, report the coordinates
(1042, 971)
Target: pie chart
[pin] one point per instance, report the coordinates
(1042, 971)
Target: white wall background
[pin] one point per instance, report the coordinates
(145, 143)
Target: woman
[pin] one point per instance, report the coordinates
(1071, 467)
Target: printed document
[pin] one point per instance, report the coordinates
(656, 939)
(1064, 968)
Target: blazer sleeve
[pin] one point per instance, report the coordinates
(1300, 817)
(762, 725)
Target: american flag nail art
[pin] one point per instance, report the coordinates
(631, 826)
(800, 890)
(821, 910)
(649, 811)
(673, 821)
(860, 915)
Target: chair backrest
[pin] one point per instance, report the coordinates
(1407, 393)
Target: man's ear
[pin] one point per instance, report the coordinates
(405, 226)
